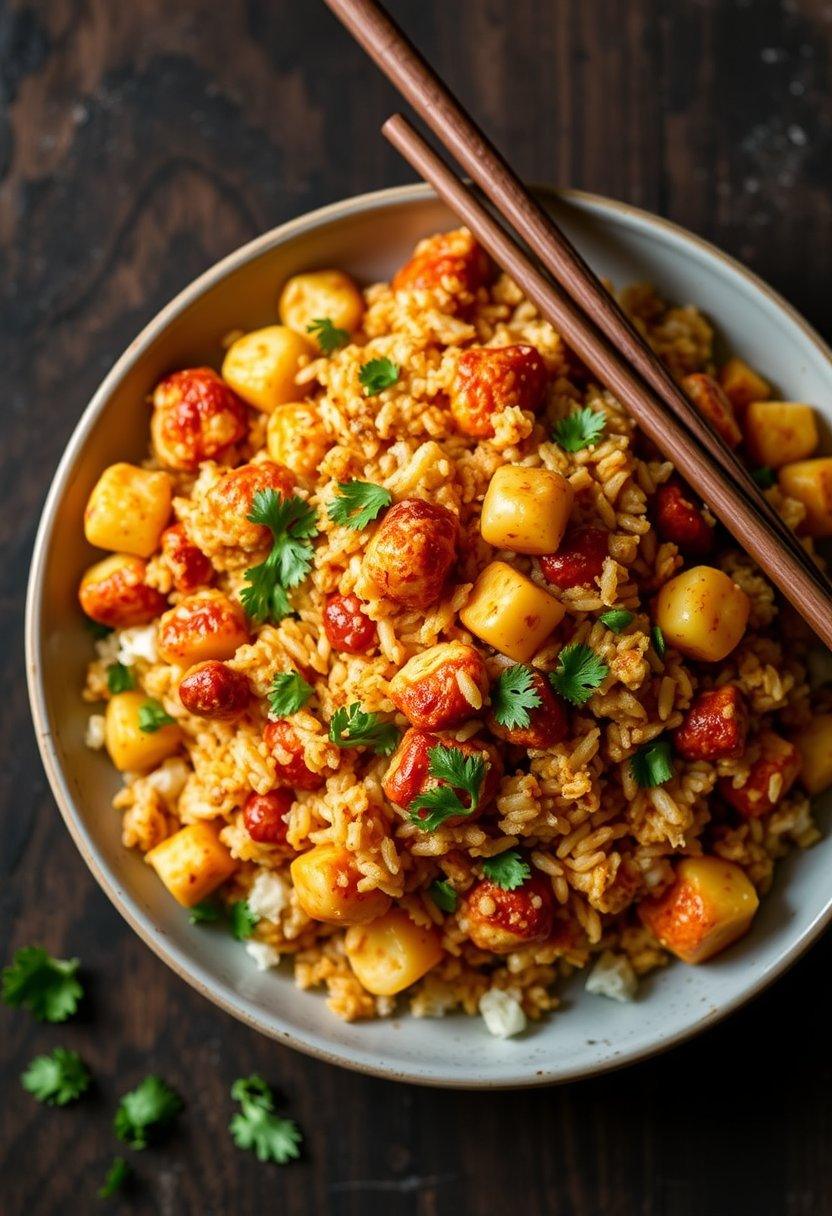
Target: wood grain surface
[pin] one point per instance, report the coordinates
(140, 140)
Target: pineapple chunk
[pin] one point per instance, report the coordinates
(815, 746)
(810, 481)
(742, 385)
(526, 510)
(709, 906)
(779, 431)
(391, 953)
(510, 612)
(127, 509)
(192, 862)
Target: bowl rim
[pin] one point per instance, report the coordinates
(122, 899)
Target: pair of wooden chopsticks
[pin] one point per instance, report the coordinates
(582, 310)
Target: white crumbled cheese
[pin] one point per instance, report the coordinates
(137, 643)
(169, 779)
(613, 976)
(94, 736)
(268, 896)
(264, 955)
(107, 648)
(502, 1013)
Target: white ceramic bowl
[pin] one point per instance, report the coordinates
(369, 236)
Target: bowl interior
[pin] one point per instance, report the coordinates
(369, 237)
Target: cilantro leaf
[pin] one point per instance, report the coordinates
(205, 913)
(120, 678)
(292, 523)
(378, 375)
(455, 771)
(578, 674)
(96, 629)
(257, 1128)
(443, 895)
(58, 1078)
(659, 644)
(145, 1111)
(358, 503)
(243, 920)
(617, 619)
(764, 477)
(351, 726)
(289, 692)
(507, 870)
(513, 695)
(327, 334)
(46, 986)
(115, 1178)
(580, 430)
(152, 716)
(651, 765)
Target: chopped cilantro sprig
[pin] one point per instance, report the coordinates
(513, 695)
(120, 678)
(651, 765)
(145, 1111)
(455, 771)
(115, 1179)
(288, 693)
(351, 726)
(358, 503)
(378, 375)
(507, 870)
(616, 620)
(153, 716)
(443, 895)
(327, 334)
(58, 1078)
(579, 672)
(582, 429)
(292, 524)
(243, 920)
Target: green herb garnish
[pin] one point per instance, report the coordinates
(292, 523)
(58, 1078)
(257, 1128)
(659, 644)
(205, 913)
(651, 765)
(443, 895)
(351, 726)
(616, 620)
(243, 920)
(96, 629)
(358, 503)
(378, 375)
(513, 695)
(289, 692)
(578, 674)
(506, 870)
(764, 477)
(328, 336)
(145, 1111)
(153, 716)
(44, 985)
(120, 678)
(455, 771)
(115, 1178)
(580, 430)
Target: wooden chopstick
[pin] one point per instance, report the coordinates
(378, 34)
(726, 499)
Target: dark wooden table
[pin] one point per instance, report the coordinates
(139, 142)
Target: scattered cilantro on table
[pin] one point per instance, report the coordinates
(582, 429)
(351, 726)
(146, 1111)
(57, 1078)
(257, 1128)
(358, 503)
(288, 693)
(378, 375)
(115, 1179)
(327, 334)
(506, 870)
(48, 987)
(292, 523)
(579, 672)
(455, 771)
(513, 695)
